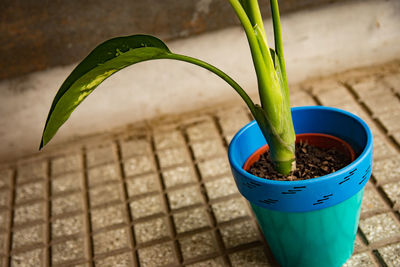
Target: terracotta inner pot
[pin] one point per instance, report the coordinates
(314, 139)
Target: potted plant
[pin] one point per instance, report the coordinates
(305, 222)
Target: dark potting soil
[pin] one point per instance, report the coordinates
(311, 162)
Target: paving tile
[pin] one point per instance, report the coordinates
(217, 262)
(392, 190)
(3, 245)
(386, 170)
(202, 131)
(65, 164)
(228, 138)
(239, 233)
(5, 197)
(173, 156)
(120, 260)
(233, 120)
(336, 97)
(143, 184)
(322, 85)
(135, 147)
(69, 203)
(358, 244)
(69, 250)
(157, 255)
(369, 87)
(5, 177)
(372, 202)
(29, 213)
(147, 206)
(199, 244)
(178, 176)
(105, 194)
(67, 183)
(380, 227)
(384, 103)
(33, 258)
(190, 220)
(392, 80)
(184, 197)
(390, 255)
(301, 98)
(169, 139)
(138, 165)
(67, 226)
(214, 167)
(360, 260)
(382, 148)
(107, 216)
(229, 210)
(151, 230)
(4, 219)
(103, 174)
(390, 121)
(254, 257)
(396, 136)
(28, 236)
(208, 148)
(214, 187)
(100, 155)
(31, 191)
(110, 240)
(31, 171)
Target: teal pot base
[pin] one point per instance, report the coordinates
(312, 238)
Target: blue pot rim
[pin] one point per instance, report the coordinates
(365, 155)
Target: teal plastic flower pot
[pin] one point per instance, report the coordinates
(310, 222)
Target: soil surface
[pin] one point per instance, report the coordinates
(311, 162)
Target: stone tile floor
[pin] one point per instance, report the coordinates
(163, 195)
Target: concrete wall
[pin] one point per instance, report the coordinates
(319, 41)
(38, 34)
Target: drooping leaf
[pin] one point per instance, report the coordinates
(106, 59)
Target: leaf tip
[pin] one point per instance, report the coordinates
(41, 144)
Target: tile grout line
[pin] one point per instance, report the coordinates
(382, 131)
(266, 247)
(48, 253)
(167, 208)
(128, 214)
(206, 200)
(381, 128)
(216, 225)
(86, 208)
(12, 192)
(377, 258)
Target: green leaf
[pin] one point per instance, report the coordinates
(106, 59)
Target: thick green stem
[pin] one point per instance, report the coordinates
(278, 42)
(265, 75)
(274, 115)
